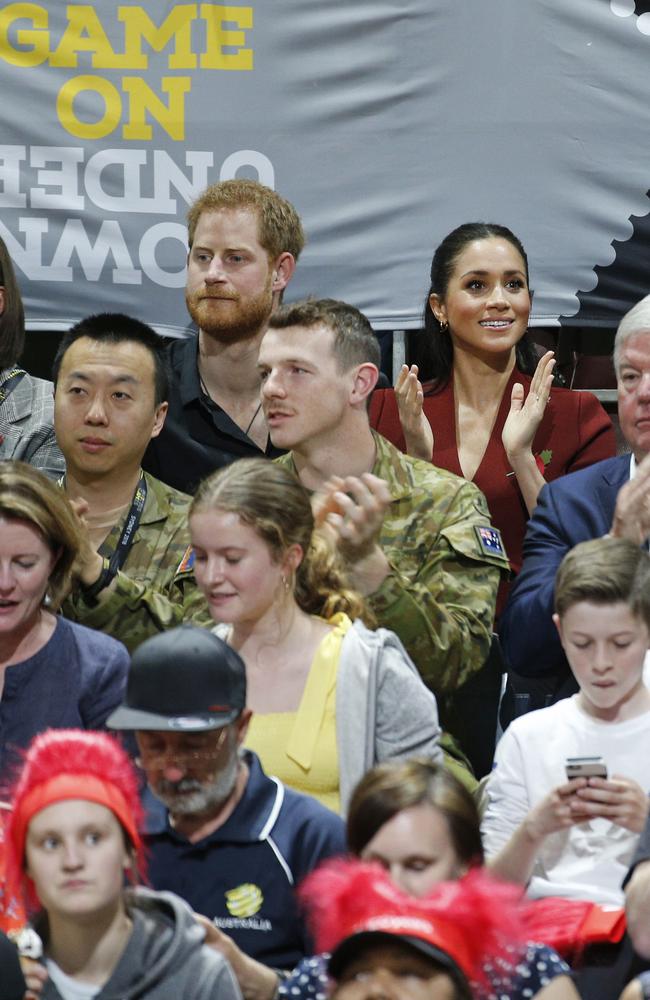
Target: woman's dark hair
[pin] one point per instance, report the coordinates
(389, 788)
(432, 350)
(12, 317)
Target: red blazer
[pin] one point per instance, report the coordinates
(575, 432)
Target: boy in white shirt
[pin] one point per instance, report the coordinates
(576, 837)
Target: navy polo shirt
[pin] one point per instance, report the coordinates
(243, 875)
(198, 436)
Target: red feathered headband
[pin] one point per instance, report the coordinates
(65, 764)
(463, 924)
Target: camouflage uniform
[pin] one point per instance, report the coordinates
(156, 589)
(445, 561)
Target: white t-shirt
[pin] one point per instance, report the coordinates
(70, 989)
(591, 859)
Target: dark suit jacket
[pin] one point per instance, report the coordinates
(572, 509)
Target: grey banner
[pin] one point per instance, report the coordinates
(386, 123)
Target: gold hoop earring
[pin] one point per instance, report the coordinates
(285, 583)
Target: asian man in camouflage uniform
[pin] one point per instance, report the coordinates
(417, 539)
(136, 576)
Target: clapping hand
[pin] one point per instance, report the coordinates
(89, 562)
(353, 509)
(632, 511)
(526, 413)
(417, 429)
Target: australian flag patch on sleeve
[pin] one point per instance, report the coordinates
(187, 562)
(490, 540)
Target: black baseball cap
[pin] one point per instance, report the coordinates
(351, 947)
(183, 680)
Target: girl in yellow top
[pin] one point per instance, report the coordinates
(331, 697)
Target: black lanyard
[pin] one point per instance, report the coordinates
(121, 551)
(10, 383)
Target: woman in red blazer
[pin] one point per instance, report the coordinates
(488, 411)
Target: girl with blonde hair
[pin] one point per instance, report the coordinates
(331, 697)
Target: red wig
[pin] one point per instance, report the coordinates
(65, 764)
(472, 920)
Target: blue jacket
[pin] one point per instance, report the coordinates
(571, 509)
(243, 876)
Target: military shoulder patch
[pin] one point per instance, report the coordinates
(186, 564)
(490, 540)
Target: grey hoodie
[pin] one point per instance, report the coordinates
(165, 958)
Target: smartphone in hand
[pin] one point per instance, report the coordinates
(585, 767)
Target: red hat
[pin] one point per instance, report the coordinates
(65, 764)
(461, 925)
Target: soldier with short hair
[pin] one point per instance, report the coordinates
(136, 575)
(417, 539)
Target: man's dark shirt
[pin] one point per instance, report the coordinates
(198, 436)
(243, 876)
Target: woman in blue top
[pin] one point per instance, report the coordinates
(53, 673)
